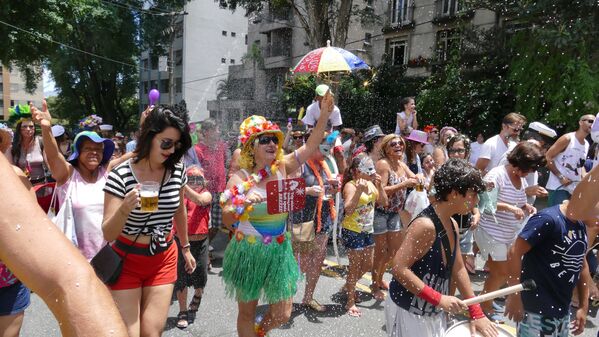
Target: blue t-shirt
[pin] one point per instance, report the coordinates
(554, 262)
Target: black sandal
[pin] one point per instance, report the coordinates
(182, 320)
(194, 305)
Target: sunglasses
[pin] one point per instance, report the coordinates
(590, 121)
(395, 143)
(195, 180)
(167, 144)
(456, 151)
(265, 140)
(515, 128)
(298, 137)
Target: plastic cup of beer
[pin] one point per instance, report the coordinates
(149, 196)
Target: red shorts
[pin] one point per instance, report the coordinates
(145, 271)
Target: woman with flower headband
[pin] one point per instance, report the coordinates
(259, 261)
(27, 150)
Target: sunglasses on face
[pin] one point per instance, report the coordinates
(590, 121)
(395, 143)
(298, 137)
(195, 180)
(516, 129)
(265, 140)
(167, 144)
(456, 151)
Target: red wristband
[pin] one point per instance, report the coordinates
(476, 312)
(430, 295)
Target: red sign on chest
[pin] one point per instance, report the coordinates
(285, 195)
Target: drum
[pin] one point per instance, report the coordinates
(462, 329)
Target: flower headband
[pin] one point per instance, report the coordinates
(90, 121)
(254, 125)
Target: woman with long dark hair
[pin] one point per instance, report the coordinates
(406, 119)
(27, 148)
(145, 286)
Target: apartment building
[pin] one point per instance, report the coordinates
(12, 91)
(208, 40)
(277, 41)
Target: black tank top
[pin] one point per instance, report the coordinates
(430, 269)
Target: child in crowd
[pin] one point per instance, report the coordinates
(361, 189)
(197, 202)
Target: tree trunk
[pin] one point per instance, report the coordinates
(342, 24)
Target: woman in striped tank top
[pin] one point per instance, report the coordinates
(150, 265)
(259, 261)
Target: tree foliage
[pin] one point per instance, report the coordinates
(105, 85)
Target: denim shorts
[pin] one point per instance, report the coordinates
(355, 240)
(386, 222)
(14, 299)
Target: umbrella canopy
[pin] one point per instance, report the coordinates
(329, 59)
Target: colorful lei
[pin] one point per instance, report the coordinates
(236, 194)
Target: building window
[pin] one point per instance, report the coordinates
(153, 84)
(232, 61)
(179, 29)
(233, 34)
(246, 39)
(222, 3)
(164, 87)
(224, 33)
(145, 64)
(367, 39)
(398, 49)
(154, 62)
(178, 57)
(223, 60)
(179, 85)
(450, 7)
(145, 87)
(447, 42)
(400, 11)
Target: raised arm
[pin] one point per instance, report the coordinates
(46, 262)
(60, 168)
(584, 203)
(295, 159)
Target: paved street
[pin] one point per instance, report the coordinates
(217, 313)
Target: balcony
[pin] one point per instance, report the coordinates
(277, 55)
(273, 20)
(449, 10)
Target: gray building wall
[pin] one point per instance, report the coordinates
(12, 91)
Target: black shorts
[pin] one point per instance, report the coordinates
(197, 279)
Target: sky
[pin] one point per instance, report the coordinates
(49, 85)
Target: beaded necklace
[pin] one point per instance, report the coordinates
(237, 193)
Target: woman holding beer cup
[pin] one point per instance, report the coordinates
(259, 261)
(142, 196)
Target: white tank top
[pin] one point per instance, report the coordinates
(569, 163)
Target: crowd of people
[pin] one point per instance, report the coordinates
(420, 204)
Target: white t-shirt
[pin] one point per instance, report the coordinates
(474, 152)
(494, 149)
(507, 226)
(313, 112)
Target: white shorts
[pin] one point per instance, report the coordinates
(488, 246)
(401, 323)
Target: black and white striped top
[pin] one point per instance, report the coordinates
(121, 180)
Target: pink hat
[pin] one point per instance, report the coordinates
(418, 136)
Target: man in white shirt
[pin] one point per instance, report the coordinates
(495, 147)
(565, 161)
(475, 148)
(313, 110)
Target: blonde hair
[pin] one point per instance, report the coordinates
(246, 157)
(386, 140)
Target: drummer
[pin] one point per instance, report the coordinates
(551, 250)
(429, 258)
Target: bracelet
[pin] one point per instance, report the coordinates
(186, 246)
(430, 295)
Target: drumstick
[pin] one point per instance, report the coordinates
(526, 285)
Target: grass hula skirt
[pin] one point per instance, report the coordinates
(260, 268)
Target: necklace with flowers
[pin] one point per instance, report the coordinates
(237, 193)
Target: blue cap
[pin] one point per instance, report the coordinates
(108, 146)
